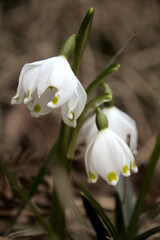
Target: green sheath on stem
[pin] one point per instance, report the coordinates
(68, 46)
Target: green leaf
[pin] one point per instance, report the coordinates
(97, 224)
(99, 210)
(133, 226)
(120, 226)
(81, 40)
(104, 73)
(148, 233)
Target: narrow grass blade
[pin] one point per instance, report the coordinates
(99, 210)
(133, 226)
(110, 67)
(148, 233)
(121, 50)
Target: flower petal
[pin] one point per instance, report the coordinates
(64, 80)
(131, 164)
(91, 171)
(38, 106)
(20, 91)
(73, 108)
(46, 72)
(119, 122)
(108, 155)
(30, 82)
(123, 125)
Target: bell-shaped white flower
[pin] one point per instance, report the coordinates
(107, 155)
(48, 84)
(119, 122)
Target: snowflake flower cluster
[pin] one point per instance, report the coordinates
(51, 83)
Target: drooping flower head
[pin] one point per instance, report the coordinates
(122, 124)
(109, 156)
(48, 84)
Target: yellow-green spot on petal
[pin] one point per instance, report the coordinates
(73, 116)
(92, 176)
(112, 177)
(37, 108)
(16, 98)
(28, 94)
(55, 100)
(134, 164)
(125, 169)
(50, 87)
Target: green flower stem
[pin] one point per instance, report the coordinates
(63, 143)
(22, 194)
(90, 107)
(105, 72)
(57, 213)
(35, 183)
(133, 226)
(107, 89)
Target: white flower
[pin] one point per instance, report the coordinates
(108, 155)
(48, 84)
(119, 122)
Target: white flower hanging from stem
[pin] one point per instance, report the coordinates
(108, 155)
(121, 123)
(48, 84)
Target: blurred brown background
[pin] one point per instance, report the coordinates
(34, 30)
